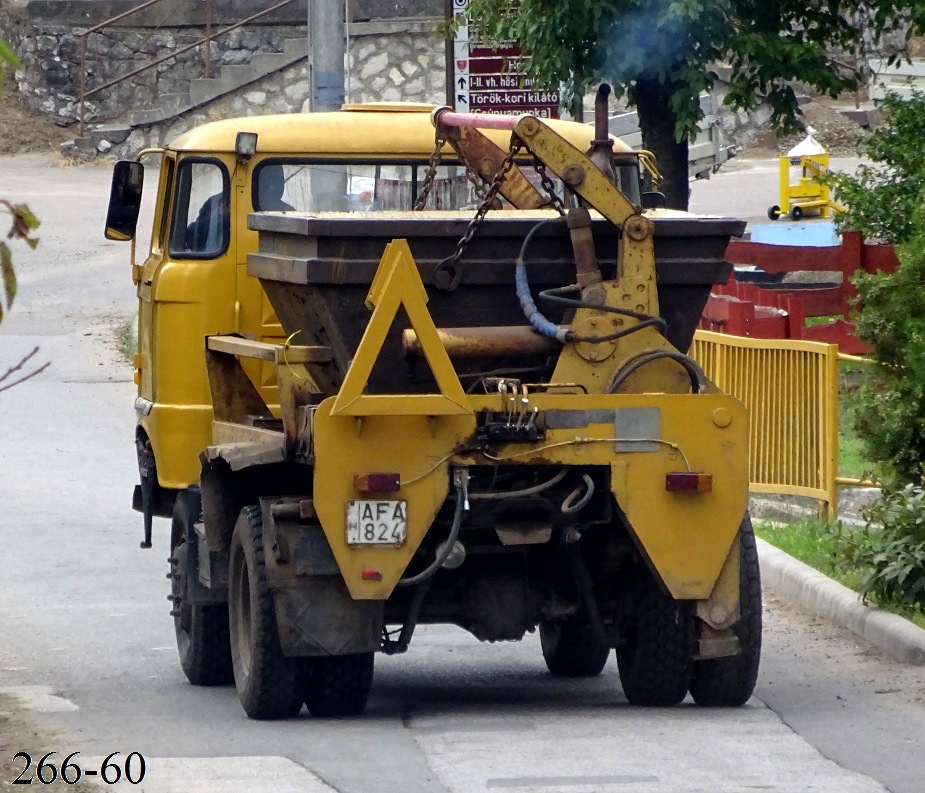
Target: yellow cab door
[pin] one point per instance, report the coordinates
(143, 276)
(190, 294)
(254, 316)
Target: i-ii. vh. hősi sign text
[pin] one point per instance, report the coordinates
(487, 80)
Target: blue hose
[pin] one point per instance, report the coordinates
(531, 312)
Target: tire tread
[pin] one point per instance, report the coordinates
(730, 682)
(270, 690)
(338, 685)
(576, 652)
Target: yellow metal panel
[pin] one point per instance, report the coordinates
(398, 284)
(687, 536)
(791, 391)
(345, 134)
(178, 433)
(417, 448)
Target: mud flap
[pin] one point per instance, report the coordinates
(320, 618)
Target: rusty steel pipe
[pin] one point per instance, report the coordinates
(485, 342)
(443, 116)
(601, 153)
(601, 125)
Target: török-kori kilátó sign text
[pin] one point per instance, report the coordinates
(491, 80)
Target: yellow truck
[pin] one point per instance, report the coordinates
(401, 366)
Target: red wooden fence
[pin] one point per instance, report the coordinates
(746, 309)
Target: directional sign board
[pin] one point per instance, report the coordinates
(487, 80)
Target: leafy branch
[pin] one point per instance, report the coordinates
(24, 223)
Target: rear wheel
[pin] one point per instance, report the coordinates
(773, 212)
(202, 631)
(571, 649)
(729, 682)
(337, 685)
(796, 212)
(655, 656)
(268, 683)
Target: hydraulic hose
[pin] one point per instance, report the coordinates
(437, 563)
(543, 326)
(645, 320)
(696, 374)
(528, 491)
(573, 503)
(531, 312)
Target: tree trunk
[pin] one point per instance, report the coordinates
(657, 122)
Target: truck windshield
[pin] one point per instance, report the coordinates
(356, 187)
(199, 229)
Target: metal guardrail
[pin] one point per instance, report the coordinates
(86, 93)
(901, 78)
(790, 389)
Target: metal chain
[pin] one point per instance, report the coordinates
(435, 157)
(478, 185)
(490, 195)
(540, 167)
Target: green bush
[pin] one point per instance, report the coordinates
(882, 198)
(886, 201)
(889, 404)
(889, 552)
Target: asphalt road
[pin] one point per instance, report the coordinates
(87, 655)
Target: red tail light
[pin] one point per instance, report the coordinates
(688, 482)
(376, 483)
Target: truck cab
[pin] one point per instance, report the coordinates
(193, 281)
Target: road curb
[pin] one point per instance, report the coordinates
(819, 594)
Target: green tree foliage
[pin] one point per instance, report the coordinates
(661, 54)
(891, 401)
(882, 197)
(23, 221)
(886, 201)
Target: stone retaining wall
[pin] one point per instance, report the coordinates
(50, 77)
(392, 62)
(284, 92)
(386, 66)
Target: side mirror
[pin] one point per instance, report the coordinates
(124, 200)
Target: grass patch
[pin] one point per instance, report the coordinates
(816, 542)
(125, 339)
(852, 455)
(810, 541)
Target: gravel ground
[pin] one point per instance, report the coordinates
(22, 129)
(837, 133)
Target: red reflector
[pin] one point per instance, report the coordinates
(688, 482)
(371, 575)
(376, 483)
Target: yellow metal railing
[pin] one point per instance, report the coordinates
(791, 391)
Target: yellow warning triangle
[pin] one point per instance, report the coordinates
(397, 283)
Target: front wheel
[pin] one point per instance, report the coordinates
(655, 655)
(773, 212)
(571, 649)
(729, 682)
(796, 213)
(202, 631)
(268, 683)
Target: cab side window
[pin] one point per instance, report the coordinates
(355, 187)
(201, 211)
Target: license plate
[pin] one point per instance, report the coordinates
(377, 522)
